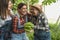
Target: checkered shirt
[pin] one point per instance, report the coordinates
(43, 22)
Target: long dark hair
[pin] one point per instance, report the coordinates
(4, 8)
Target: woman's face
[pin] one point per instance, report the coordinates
(23, 10)
(10, 5)
(34, 11)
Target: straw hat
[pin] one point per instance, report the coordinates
(38, 7)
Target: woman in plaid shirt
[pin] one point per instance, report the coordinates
(38, 18)
(18, 32)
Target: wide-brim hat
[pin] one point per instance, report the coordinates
(37, 6)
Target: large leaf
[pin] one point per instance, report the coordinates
(48, 2)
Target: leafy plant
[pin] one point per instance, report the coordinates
(28, 26)
(55, 31)
(48, 2)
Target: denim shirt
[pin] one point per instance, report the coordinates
(4, 24)
(5, 28)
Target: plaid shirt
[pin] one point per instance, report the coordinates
(14, 25)
(17, 29)
(42, 22)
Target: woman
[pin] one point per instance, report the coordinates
(18, 32)
(38, 18)
(5, 20)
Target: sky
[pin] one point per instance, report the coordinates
(52, 11)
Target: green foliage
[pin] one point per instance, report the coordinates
(48, 2)
(16, 2)
(55, 31)
(34, 1)
(28, 26)
(30, 35)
